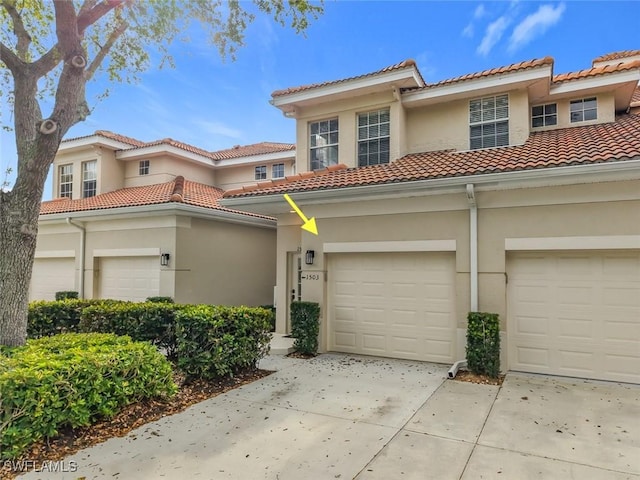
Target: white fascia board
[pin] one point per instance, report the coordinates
(254, 159)
(574, 174)
(92, 141)
(347, 86)
(158, 210)
(574, 86)
(160, 149)
(476, 87)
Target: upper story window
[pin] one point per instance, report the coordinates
(261, 172)
(277, 170)
(65, 174)
(544, 115)
(489, 122)
(373, 138)
(583, 109)
(323, 143)
(89, 179)
(143, 167)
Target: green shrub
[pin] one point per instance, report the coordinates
(47, 318)
(160, 300)
(305, 326)
(215, 341)
(483, 343)
(69, 295)
(152, 322)
(272, 318)
(72, 380)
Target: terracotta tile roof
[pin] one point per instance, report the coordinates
(112, 136)
(595, 71)
(616, 55)
(181, 145)
(590, 144)
(398, 66)
(254, 149)
(177, 191)
(516, 67)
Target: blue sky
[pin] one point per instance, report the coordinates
(215, 104)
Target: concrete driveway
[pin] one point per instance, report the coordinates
(344, 416)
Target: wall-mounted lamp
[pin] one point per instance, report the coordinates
(309, 256)
(164, 259)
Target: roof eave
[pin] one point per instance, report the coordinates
(161, 148)
(403, 78)
(92, 141)
(253, 159)
(159, 209)
(479, 86)
(594, 172)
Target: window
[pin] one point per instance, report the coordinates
(66, 181)
(373, 138)
(261, 172)
(584, 109)
(277, 170)
(544, 115)
(323, 143)
(143, 168)
(89, 179)
(489, 122)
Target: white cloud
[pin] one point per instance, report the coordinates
(535, 25)
(219, 128)
(493, 34)
(468, 30)
(479, 11)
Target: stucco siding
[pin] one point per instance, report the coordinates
(164, 169)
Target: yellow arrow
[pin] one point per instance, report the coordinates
(309, 224)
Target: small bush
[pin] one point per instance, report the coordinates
(214, 341)
(152, 322)
(66, 295)
(272, 319)
(483, 343)
(159, 300)
(305, 326)
(72, 380)
(47, 318)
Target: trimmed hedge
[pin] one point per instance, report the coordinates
(305, 326)
(46, 318)
(216, 341)
(152, 322)
(483, 343)
(72, 380)
(160, 300)
(66, 295)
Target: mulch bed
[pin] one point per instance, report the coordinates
(466, 376)
(70, 441)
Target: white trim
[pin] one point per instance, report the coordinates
(575, 86)
(70, 145)
(126, 252)
(56, 254)
(154, 150)
(278, 157)
(397, 246)
(609, 242)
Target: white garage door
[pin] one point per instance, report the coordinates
(129, 278)
(51, 275)
(575, 314)
(399, 305)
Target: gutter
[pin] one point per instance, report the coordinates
(83, 236)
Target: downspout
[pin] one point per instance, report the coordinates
(473, 260)
(83, 234)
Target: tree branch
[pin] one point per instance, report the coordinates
(47, 62)
(10, 59)
(24, 39)
(66, 26)
(88, 18)
(104, 50)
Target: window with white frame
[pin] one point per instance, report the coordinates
(323, 143)
(89, 179)
(261, 172)
(544, 115)
(143, 167)
(583, 109)
(277, 170)
(65, 174)
(489, 122)
(373, 137)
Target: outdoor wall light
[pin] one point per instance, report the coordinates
(164, 259)
(309, 256)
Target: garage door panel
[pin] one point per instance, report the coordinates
(401, 305)
(575, 314)
(129, 278)
(51, 275)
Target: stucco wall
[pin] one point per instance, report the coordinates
(164, 169)
(606, 111)
(225, 263)
(236, 176)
